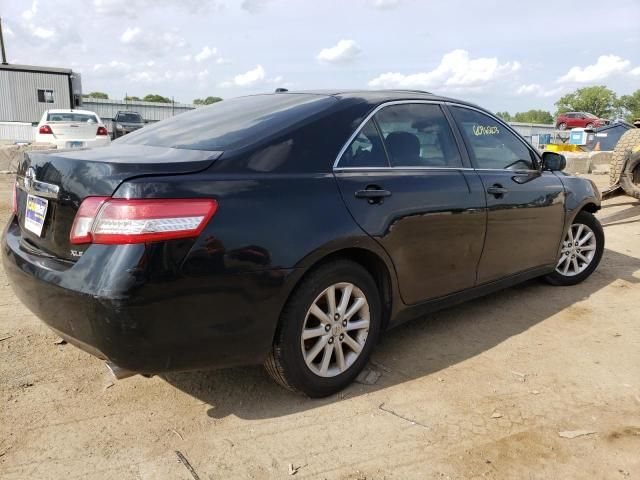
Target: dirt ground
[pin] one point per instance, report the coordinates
(482, 390)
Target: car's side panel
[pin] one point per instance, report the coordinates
(262, 222)
(432, 226)
(524, 225)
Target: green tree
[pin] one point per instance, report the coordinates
(132, 98)
(206, 101)
(96, 95)
(506, 116)
(630, 106)
(154, 97)
(598, 100)
(533, 116)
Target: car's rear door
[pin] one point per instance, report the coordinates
(404, 181)
(525, 206)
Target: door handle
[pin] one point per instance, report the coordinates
(497, 190)
(373, 194)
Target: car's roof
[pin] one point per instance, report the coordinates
(379, 96)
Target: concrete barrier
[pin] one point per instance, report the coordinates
(10, 155)
(600, 162)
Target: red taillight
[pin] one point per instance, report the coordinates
(102, 131)
(119, 221)
(45, 130)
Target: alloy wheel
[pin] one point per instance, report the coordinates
(335, 329)
(578, 250)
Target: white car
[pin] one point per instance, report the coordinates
(72, 129)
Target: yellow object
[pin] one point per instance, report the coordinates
(597, 147)
(565, 147)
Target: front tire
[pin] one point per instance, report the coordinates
(581, 251)
(327, 330)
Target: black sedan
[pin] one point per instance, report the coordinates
(290, 229)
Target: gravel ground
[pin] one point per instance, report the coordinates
(488, 389)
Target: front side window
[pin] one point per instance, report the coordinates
(366, 150)
(45, 96)
(418, 135)
(490, 143)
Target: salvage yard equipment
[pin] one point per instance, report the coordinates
(625, 166)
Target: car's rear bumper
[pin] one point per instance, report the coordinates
(111, 304)
(101, 141)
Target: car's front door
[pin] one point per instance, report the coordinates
(403, 179)
(525, 206)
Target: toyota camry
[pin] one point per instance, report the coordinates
(290, 229)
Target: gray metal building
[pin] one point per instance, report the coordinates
(26, 91)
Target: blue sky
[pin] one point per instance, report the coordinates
(504, 55)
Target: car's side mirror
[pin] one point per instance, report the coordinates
(553, 162)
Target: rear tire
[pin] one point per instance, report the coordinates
(630, 179)
(581, 251)
(562, 126)
(316, 352)
(630, 139)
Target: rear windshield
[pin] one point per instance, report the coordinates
(129, 118)
(230, 124)
(72, 117)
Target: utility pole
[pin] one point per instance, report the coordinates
(4, 55)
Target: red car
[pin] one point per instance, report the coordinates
(579, 120)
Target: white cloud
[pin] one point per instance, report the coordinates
(138, 8)
(113, 66)
(254, 6)
(142, 77)
(8, 32)
(455, 71)
(205, 53)
(255, 76)
(42, 33)
(385, 4)
(537, 90)
(164, 43)
(250, 78)
(605, 66)
(223, 61)
(343, 52)
(635, 72)
(31, 12)
(130, 35)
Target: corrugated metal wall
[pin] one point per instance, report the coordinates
(150, 111)
(15, 131)
(19, 94)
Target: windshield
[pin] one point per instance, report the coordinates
(129, 118)
(71, 117)
(231, 124)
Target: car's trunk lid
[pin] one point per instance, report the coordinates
(73, 131)
(64, 178)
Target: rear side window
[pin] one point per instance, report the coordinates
(490, 143)
(366, 150)
(418, 135)
(231, 124)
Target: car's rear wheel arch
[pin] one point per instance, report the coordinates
(372, 262)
